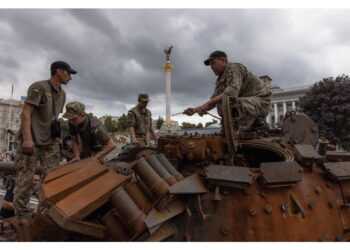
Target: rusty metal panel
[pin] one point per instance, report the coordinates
(62, 186)
(300, 129)
(190, 185)
(337, 156)
(68, 168)
(281, 172)
(339, 170)
(165, 230)
(84, 227)
(91, 196)
(156, 217)
(305, 151)
(219, 173)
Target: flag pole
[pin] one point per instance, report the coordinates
(9, 127)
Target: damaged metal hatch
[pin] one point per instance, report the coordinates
(229, 176)
(278, 174)
(339, 171)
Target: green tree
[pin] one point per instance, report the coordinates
(122, 124)
(187, 125)
(207, 124)
(328, 104)
(200, 125)
(160, 122)
(110, 125)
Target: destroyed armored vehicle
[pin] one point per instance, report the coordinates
(246, 186)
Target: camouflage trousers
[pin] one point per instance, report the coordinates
(249, 108)
(252, 107)
(45, 156)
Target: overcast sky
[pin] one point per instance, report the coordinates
(118, 53)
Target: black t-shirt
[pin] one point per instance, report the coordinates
(6, 213)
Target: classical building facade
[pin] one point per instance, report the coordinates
(284, 100)
(9, 121)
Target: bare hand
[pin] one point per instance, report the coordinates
(202, 110)
(135, 141)
(28, 146)
(189, 111)
(201, 113)
(76, 158)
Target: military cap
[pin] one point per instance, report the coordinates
(62, 65)
(143, 97)
(213, 55)
(73, 109)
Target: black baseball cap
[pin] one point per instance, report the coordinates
(62, 65)
(213, 55)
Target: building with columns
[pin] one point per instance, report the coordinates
(10, 119)
(284, 100)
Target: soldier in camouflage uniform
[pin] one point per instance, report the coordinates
(93, 136)
(37, 145)
(251, 94)
(140, 122)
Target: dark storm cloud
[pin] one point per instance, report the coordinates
(119, 52)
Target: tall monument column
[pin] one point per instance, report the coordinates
(167, 68)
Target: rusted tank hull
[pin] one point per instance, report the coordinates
(309, 211)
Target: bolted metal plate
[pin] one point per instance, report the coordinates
(281, 173)
(229, 173)
(337, 156)
(339, 170)
(155, 217)
(190, 185)
(307, 151)
(300, 129)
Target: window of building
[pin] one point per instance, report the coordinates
(280, 107)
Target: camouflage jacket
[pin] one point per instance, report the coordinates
(238, 81)
(93, 135)
(140, 120)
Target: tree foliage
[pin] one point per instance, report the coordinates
(207, 124)
(200, 125)
(110, 125)
(160, 122)
(187, 125)
(328, 104)
(122, 124)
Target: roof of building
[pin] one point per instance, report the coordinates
(8, 102)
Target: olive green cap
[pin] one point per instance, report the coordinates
(143, 97)
(73, 109)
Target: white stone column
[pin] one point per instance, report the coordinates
(293, 105)
(167, 68)
(268, 118)
(167, 95)
(284, 108)
(276, 112)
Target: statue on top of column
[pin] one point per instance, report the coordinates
(167, 51)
